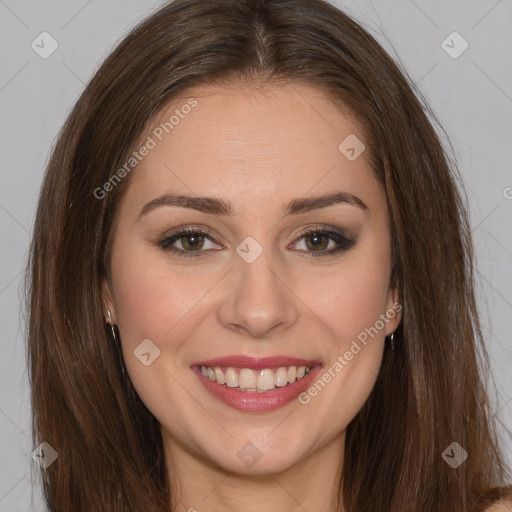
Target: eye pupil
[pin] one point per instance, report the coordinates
(192, 241)
(316, 239)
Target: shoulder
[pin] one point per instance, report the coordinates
(501, 506)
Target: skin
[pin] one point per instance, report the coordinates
(501, 507)
(259, 148)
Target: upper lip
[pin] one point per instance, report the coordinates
(256, 363)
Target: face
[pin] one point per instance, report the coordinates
(282, 299)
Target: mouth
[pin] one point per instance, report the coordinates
(256, 385)
(259, 381)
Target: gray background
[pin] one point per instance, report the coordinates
(471, 95)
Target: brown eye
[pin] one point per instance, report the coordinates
(317, 242)
(192, 242)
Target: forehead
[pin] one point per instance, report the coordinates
(251, 145)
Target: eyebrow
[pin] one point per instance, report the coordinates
(219, 206)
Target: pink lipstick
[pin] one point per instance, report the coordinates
(253, 384)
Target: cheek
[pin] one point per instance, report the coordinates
(351, 307)
(353, 298)
(154, 303)
(151, 297)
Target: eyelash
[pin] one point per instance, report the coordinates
(344, 242)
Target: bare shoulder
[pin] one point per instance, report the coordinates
(501, 506)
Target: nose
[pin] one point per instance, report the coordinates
(258, 300)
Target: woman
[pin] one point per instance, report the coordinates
(251, 279)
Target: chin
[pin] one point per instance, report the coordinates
(258, 456)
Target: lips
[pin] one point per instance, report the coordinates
(256, 384)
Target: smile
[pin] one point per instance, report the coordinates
(256, 384)
(260, 381)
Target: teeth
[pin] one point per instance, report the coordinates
(266, 380)
(246, 379)
(231, 378)
(281, 377)
(219, 376)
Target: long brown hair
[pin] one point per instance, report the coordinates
(430, 390)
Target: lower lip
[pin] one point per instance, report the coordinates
(252, 401)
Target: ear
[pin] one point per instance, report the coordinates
(393, 310)
(107, 302)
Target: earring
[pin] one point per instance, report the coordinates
(114, 336)
(111, 325)
(392, 340)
